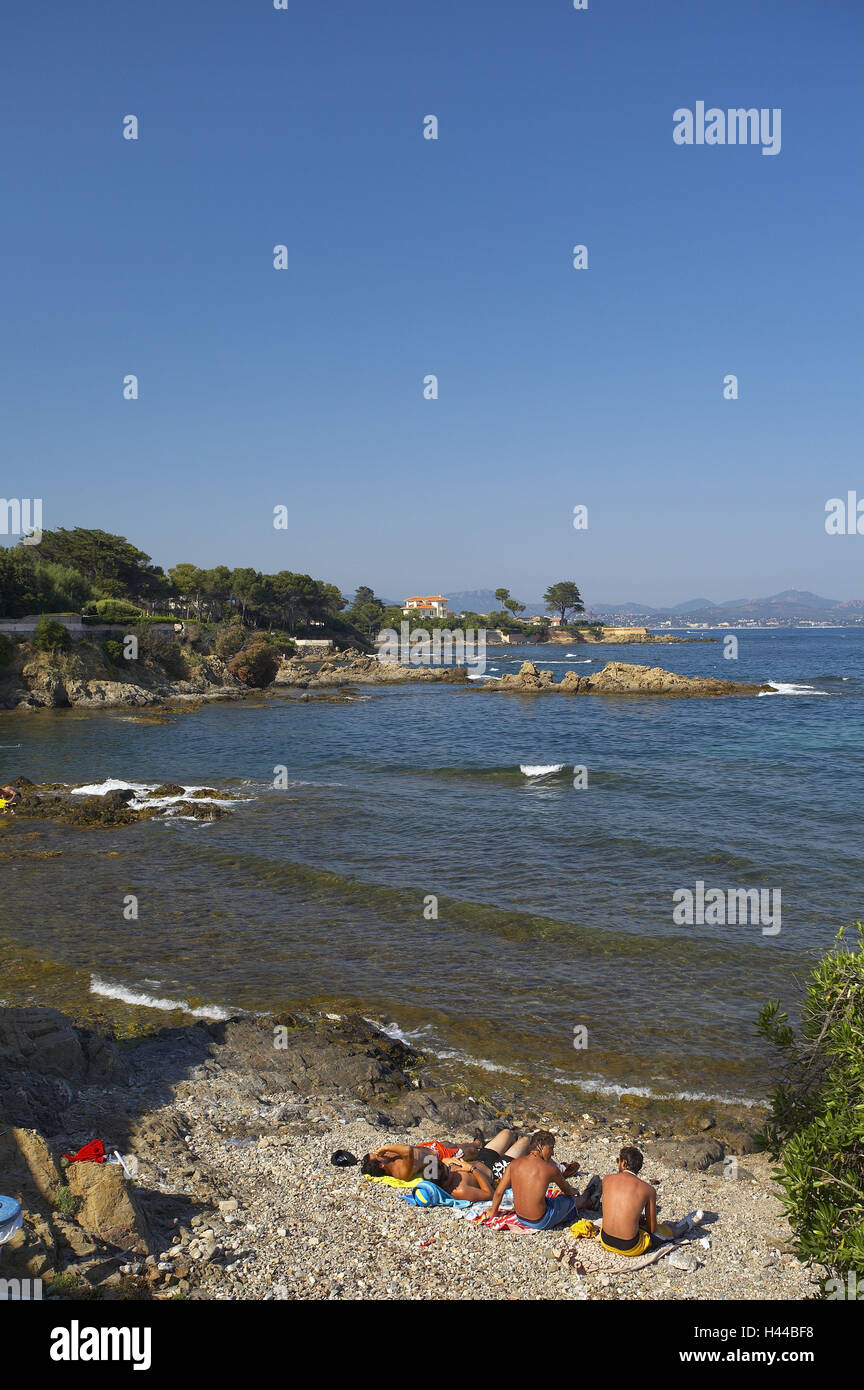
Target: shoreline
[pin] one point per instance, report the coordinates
(235, 1196)
(334, 678)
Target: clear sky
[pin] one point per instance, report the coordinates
(409, 256)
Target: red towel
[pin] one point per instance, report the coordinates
(94, 1152)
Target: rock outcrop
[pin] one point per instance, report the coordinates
(46, 681)
(357, 668)
(112, 808)
(619, 678)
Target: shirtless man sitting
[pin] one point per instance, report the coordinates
(529, 1176)
(629, 1209)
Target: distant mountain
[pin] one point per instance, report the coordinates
(788, 605)
(800, 598)
(484, 601)
(693, 605)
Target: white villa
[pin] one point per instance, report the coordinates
(433, 606)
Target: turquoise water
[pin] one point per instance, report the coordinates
(554, 903)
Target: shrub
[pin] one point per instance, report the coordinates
(65, 1201)
(113, 650)
(50, 636)
(114, 610)
(230, 639)
(5, 650)
(161, 649)
(817, 1124)
(256, 664)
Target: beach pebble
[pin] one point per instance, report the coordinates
(682, 1259)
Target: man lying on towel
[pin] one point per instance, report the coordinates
(407, 1161)
(629, 1209)
(529, 1176)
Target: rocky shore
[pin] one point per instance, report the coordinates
(621, 636)
(121, 806)
(80, 679)
(229, 1127)
(53, 683)
(619, 678)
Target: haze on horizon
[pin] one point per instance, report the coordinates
(406, 257)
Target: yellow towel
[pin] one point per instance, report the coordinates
(584, 1228)
(393, 1182)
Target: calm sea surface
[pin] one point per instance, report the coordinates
(554, 903)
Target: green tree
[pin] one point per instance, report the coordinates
(110, 563)
(501, 597)
(6, 650)
(51, 636)
(817, 1124)
(562, 598)
(189, 582)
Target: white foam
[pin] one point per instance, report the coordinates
(790, 688)
(151, 1001)
(419, 1035)
(540, 769)
(142, 799)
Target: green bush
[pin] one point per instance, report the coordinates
(50, 636)
(6, 650)
(113, 610)
(161, 649)
(817, 1124)
(231, 639)
(113, 652)
(256, 664)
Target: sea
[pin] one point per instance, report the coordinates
(490, 875)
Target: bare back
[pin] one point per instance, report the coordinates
(529, 1178)
(625, 1199)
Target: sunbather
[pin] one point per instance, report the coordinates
(407, 1161)
(469, 1174)
(629, 1208)
(529, 1175)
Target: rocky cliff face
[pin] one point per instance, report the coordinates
(619, 678)
(80, 678)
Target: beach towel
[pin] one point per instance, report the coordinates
(429, 1194)
(503, 1221)
(393, 1182)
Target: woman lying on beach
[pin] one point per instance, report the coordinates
(469, 1175)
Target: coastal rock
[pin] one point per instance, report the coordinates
(27, 1168)
(439, 1112)
(40, 1041)
(621, 678)
(697, 1153)
(108, 1209)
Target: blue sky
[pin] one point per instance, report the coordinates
(304, 387)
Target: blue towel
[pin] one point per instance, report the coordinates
(429, 1194)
